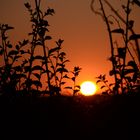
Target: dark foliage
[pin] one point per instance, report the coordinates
(22, 68)
(125, 55)
(63, 117)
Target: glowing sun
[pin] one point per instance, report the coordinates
(88, 88)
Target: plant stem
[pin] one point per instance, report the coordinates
(126, 42)
(132, 31)
(111, 43)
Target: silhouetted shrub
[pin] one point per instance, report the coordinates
(23, 67)
(125, 55)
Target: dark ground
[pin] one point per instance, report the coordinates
(68, 118)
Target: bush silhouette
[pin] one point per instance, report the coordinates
(125, 55)
(23, 68)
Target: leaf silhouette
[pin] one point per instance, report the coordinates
(128, 71)
(78, 86)
(111, 72)
(27, 5)
(37, 83)
(65, 76)
(73, 78)
(60, 41)
(13, 52)
(53, 50)
(134, 37)
(61, 70)
(37, 75)
(23, 43)
(9, 46)
(17, 47)
(7, 27)
(38, 43)
(137, 2)
(48, 37)
(75, 91)
(111, 84)
(133, 64)
(62, 54)
(98, 81)
(62, 83)
(22, 51)
(104, 77)
(66, 61)
(118, 31)
(37, 68)
(102, 87)
(38, 57)
(16, 57)
(68, 87)
(49, 11)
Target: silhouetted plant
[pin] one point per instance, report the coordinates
(105, 85)
(124, 69)
(39, 37)
(53, 59)
(75, 73)
(59, 70)
(24, 67)
(10, 71)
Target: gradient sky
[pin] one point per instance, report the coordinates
(85, 36)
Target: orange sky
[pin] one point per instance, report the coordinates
(85, 36)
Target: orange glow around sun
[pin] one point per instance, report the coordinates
(88, 88)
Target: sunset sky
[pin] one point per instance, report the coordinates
(85, 36)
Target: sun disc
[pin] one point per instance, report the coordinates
(88, 88)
